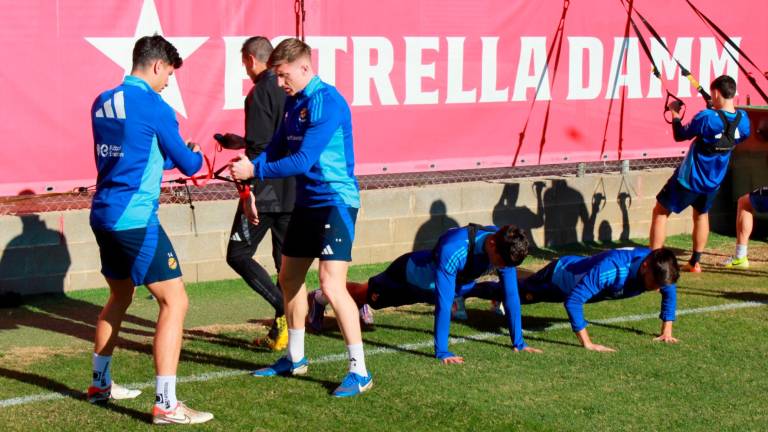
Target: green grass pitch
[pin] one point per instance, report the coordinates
(714, 379)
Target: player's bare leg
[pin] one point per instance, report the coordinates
(744, 223)
(700, 234)
(744, 220)
(658, 226)
(700, 230)
(111, 316)
(107, 329)
(173, 302)
(333, 282)
(292, 276)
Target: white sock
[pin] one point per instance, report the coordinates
(320, 297)
(101, 375)
(165, 392)
(295, 344)
(741, 251)
(357, 359)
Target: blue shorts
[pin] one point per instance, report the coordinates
(759, 199)
(145, 255)
(391, 288)
(676, 197)
(538, 287)
(321, 232)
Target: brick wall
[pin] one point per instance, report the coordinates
(39, 256)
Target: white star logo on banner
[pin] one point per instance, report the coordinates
(120, 50)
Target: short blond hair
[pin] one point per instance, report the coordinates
(289, 51)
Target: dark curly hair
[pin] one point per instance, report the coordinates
(511, 244)
(662, 263)
(148, 49)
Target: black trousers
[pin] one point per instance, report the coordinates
(243, 241)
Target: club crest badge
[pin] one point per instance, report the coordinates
(172, 263)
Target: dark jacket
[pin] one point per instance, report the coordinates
(263, 114)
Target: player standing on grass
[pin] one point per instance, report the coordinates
(696, 181)
(437, 276)
(610, 275)
(317, 134)
(269, 206)
(136, 137)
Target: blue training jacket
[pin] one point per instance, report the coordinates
(439, 270)
(609, 275)
(317, 131)
(136, 136)
(700, 172)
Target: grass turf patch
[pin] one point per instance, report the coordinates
(713, 380)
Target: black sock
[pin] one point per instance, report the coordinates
(695, 257)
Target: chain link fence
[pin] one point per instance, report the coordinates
(186, 194)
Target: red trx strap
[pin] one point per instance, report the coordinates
(301, 16)
(201, 180)
(622, 59)
(557, 43)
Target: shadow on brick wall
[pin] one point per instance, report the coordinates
(564, 206)
(605, 231)
(438, 223)
(506, 211)
(35, 261)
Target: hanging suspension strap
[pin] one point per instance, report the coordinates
(656, 72)
(615, 83)
(683, 70)
(723, 39)
(557, 43)
(724, 36)
(301, 16)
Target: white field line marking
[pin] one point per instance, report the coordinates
(42, 397)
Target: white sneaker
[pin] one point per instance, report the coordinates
(182, 414)
(98, 395)
(119, 392)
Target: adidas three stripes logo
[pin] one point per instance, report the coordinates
(113, 108)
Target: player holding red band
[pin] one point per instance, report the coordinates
(136, 136)
(317, 135)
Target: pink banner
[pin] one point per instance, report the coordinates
(433, 84)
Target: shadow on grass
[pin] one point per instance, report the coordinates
(330, 386)
(63, 314)
(622, 328)
(333, 333)
(77, 318)
(713, 269)
(480, 320)
(51, 385)
(486, 320)
(731, 295)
